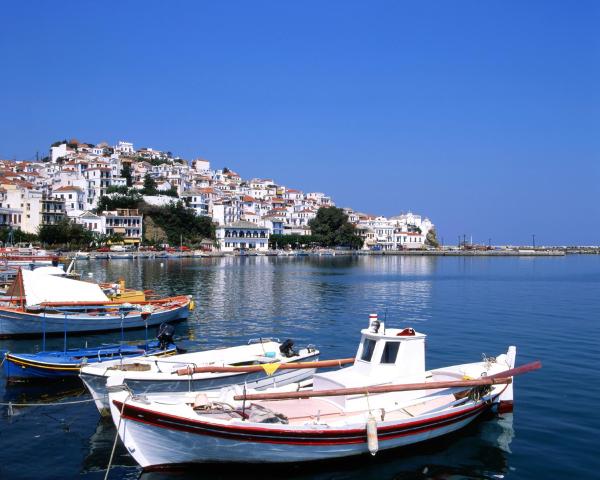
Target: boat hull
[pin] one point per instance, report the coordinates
(15, 323)
(26, 367)
(96, 384)
(205, 442)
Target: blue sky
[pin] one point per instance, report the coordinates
(483, 116)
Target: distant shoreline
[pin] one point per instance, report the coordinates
(550, 252)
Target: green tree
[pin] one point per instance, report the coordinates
(149, 186)
(79, 235)
(65, 233)
(171, 192)
(55, 234)
(294, 241)
(126, 174)
(131, 200)
(180, 223)
(331, 228)
(17, 236)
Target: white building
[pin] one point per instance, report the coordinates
(127, 222)
(242, 235)
(91, 221)
(226, 211)
(74, 197)
(58, 151)
(125, 148)
(200, 165)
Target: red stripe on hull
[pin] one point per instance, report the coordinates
(297, 437)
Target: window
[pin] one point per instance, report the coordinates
(368, 348)
(390, 352)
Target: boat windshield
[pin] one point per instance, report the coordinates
(390, 352)
(368, 348)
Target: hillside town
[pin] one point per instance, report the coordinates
(70, 182)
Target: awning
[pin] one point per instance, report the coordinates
(40, 287)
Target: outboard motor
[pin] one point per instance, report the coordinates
(287, 348)
(165, 335)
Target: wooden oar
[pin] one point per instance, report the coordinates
(258, 368)
(500, 378)
(528, 367)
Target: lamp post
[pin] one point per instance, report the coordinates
(533, 240)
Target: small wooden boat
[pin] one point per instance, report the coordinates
(249, 364)
(40, 304)
(64, 364)
(385, 400)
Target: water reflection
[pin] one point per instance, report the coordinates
(100, 446)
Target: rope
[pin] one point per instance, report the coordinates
(10, 405)
(112, 453)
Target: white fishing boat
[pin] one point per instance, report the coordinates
(184, 372)
(120, 256)
(386, 399)
(40, 304)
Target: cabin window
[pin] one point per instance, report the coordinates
(368, 348)
(390, 352)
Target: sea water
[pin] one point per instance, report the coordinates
(549, 307)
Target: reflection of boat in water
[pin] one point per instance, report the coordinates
(385, 400)
(100, 446)
(44, 393)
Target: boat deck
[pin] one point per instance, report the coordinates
(299, 412)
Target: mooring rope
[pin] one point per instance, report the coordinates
(11, 405)
(112, 453)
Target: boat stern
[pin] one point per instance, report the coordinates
(505, 401)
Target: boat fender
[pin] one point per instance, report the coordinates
(372, 440)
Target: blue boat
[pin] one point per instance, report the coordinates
(65, 364)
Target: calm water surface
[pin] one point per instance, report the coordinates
(548, 307)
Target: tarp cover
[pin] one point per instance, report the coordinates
(40, 288)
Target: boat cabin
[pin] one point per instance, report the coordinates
(384, 355)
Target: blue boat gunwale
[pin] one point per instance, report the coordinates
(31, 369)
